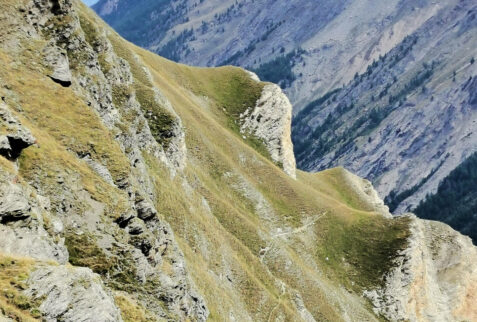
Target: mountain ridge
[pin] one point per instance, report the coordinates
(129, 193)
(344, 46)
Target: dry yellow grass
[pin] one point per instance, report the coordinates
(14, 272)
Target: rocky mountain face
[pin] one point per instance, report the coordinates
(384, 89)
(133, 188)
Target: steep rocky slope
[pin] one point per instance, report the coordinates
(133, 188)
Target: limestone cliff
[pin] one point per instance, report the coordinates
(270, 121)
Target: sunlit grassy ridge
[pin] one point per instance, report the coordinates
(255, 240)
(352, 244)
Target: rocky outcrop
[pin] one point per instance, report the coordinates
(71, 294)
(80, 55)
(434, 279)
(270, 121)
(365, 191)
(14, 137)
(57, 60)
(14, 205)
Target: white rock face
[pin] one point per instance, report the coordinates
(72, 294)
(435, 278)
(34, 243)
(271, 121)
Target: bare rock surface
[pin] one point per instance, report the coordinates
(270, 121)
(57, 60)
(72, 294)
(435, 278)
(15, 137)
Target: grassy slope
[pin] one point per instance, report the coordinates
(359, 244)
(347, 246)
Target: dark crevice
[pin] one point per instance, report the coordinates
(16, 147)
(61, 82)
(56, 7)
(12, 218)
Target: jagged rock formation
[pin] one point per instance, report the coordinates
(137, 197)
(270, 120)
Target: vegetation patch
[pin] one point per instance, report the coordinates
(90, 32)
(13, 303)
(83, 251)
(359, 254)
(121, 94)
(131, 311)
(455, 201)
(175, 48)
(394, 199)
(280, 69)
(161, 122)
(232, 91)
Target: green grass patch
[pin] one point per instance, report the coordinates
(360, 253)
(83, 251)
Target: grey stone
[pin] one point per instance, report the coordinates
(34, 243)
(136, 227)
(17, 137)
(72, 294)
(145, 210)
(57, 60)
(13, 204)
(270, 121)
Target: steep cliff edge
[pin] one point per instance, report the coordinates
(435, 278)
(129, 193)
(270, 120)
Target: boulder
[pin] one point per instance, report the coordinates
(17, 137)
(57, 60)
(145, 210)
(14, 205)
(72, 294)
